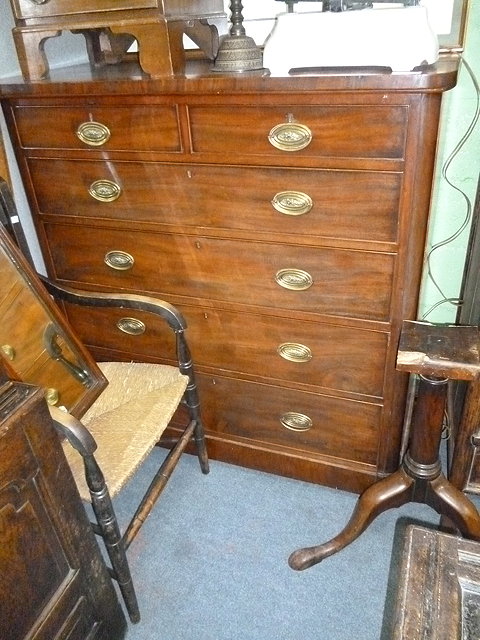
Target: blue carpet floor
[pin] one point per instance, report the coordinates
(211, 561)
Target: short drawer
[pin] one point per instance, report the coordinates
(136, 127)
(336, 204)
(292, 351)
(308, 422)
(50, 8)
(317, 280)
(351, 131)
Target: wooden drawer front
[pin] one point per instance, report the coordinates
(337, 358)
(29, 9)
(341, 428)
(345, 283)
(130, 128)
(341, 131)
(305, 202)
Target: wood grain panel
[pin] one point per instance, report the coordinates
(352, 131)
(345, 283)
(227, 198)
(24, 321)
(246, 344)
(54, 581)
(341, 428)
(52, 8)
(4, 170)
(27, 9)
(143, 127)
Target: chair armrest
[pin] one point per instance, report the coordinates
(160, 308)
(74, 431)
(118, 300)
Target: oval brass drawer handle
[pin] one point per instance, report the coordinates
(132, 326)
(290, 136)
(95, 134)
(292, 203)
(8, 351)
(104, 190)
(296, 421)
(294, 279)
(52, 396)
(294, 352)
(119, 260)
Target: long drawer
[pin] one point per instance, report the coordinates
(290, 352)
(327, 281)
(308, 422)
(335, 204)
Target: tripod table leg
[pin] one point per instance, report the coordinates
(390, 492)
(451, 502)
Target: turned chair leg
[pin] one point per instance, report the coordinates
(107, 527)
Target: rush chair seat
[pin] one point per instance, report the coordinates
(109, 427)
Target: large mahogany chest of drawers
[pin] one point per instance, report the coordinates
(286, 217)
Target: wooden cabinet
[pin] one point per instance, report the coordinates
(435, 588)
(285, 216)
(111, 26)
(54, 581)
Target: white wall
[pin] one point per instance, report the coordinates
(450, 203)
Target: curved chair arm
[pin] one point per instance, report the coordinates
(74, 431)
(167, 311)
(119, 300)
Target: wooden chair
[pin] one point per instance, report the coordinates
(108, 430)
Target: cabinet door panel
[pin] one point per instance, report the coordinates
(39, 566)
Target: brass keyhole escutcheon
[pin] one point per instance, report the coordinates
(52, 396)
